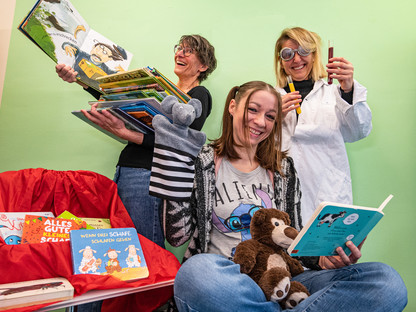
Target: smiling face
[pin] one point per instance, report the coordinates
(187, 67)
(299, 67)
(252, 126)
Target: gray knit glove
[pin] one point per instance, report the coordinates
(175, 151)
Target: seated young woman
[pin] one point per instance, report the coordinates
(242, 171)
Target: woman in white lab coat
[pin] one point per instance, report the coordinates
(330, 115)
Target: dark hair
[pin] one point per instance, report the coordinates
(268, 152)
(204, 51)
(117, 53)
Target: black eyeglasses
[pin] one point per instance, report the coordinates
(185, 50)
(288, 53)
(241, 222)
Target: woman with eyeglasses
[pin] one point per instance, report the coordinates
(194, 61)
(330, 115)
(244, 170)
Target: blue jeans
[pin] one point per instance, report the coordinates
(144, 210)
(209, 282)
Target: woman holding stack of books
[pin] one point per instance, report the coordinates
(194, 62)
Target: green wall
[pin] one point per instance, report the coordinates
(38, 130)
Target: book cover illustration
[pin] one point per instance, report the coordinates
(332, 225)
(144, 115)
(11, 225)
(43, 229)
(131, 122)
(143, 81)
(150, 105)
(29, 293)
(108, 251)
(60, 31)
(98, 223)
(138, 94)
(126, 75)
(83, 224)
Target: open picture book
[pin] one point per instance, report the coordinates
(59, 30)
(332, 225)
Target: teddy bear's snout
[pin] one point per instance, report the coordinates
(291, 232)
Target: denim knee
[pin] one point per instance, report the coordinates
(192, 272)
(208, 282)
(393, 285)
(189, 288)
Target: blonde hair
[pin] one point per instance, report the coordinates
(307, 40)
(268, 153)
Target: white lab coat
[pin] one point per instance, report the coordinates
(316, 142)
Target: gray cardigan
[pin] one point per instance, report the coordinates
(192, 220)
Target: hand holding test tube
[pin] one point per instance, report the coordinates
(292, 89)
(330, 55)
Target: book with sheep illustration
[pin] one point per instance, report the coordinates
(115, 251)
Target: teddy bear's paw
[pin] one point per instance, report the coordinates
(296, 295)
(280, 291)
(294, 299)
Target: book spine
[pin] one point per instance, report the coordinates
(155, 86)
(127, 83)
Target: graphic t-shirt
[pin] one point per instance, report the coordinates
(238, 195)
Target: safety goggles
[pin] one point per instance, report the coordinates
(241, 222)
(287, 53)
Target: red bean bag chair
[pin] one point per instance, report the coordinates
(85, 194)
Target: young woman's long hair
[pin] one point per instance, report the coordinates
(268, 152)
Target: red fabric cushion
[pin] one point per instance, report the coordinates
(85, 194)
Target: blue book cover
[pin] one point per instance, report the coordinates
(131, 122)
(115, 251)
(332, 225)
(140, 108)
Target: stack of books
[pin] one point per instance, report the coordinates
(134, 97)
(98, 249)
(42, 226)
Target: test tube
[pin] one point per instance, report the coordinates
(330, 55)
(292, 89)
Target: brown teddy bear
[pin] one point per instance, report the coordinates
(264, 258)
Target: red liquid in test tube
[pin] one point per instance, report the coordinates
(330, 55)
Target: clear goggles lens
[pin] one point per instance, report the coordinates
(287, 53)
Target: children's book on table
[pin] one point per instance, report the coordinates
(98, 223)
(58, 29)
(38, 229)
(29, 293)
(11, 225)
(332, 225)
(115, 252)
